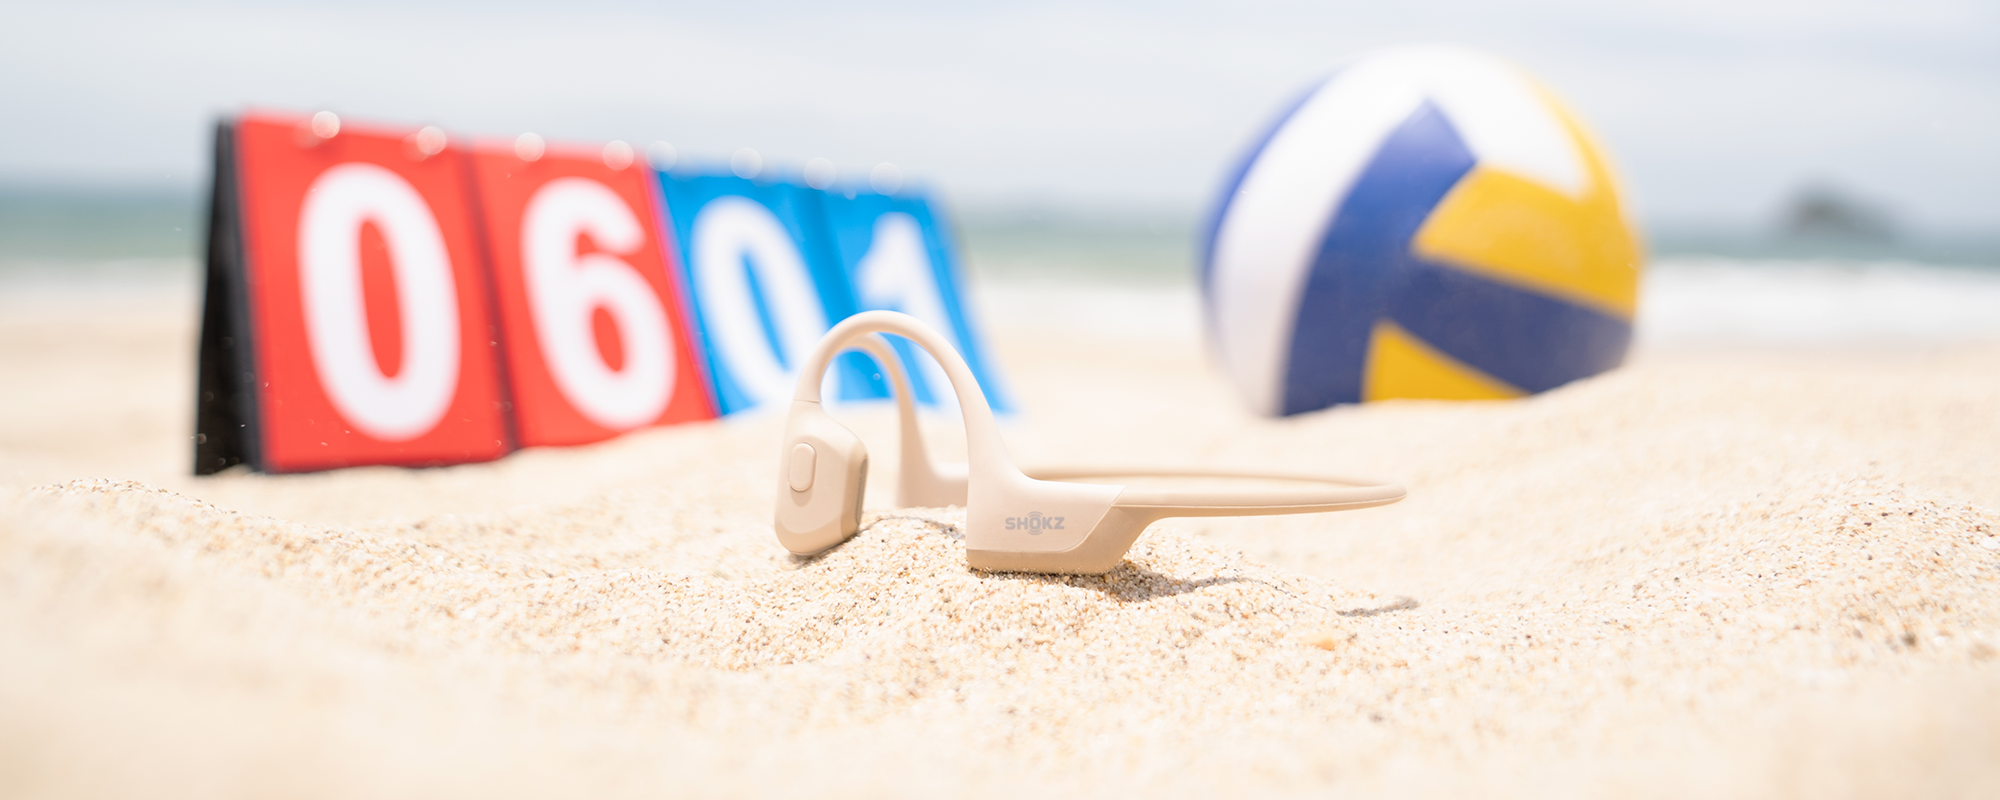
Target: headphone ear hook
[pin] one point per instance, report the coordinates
(1013, 522)
(1056, 517)
(920, 481)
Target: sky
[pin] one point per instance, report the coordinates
(1715, 111)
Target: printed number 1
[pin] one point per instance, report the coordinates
(895, 275)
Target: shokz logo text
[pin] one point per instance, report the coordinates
(1034, 523)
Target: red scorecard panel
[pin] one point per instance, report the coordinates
(590, 314)
(367, 302)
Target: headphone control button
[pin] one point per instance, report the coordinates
(799, 468)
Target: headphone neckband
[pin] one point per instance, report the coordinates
(1014, 522)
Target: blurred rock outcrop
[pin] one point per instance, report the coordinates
(1826, 212)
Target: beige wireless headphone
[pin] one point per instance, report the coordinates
(1013, 522)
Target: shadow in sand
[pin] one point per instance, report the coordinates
(1400, 604)
(1126, 582)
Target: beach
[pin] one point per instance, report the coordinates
(1735, 567)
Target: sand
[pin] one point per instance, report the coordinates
(1710, 573)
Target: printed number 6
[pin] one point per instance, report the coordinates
(565, 289)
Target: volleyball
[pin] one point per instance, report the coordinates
(1427, 222)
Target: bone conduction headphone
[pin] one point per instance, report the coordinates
(1013, 522)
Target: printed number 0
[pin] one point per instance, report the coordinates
(727, 233)
(408, 405)
(566, 289)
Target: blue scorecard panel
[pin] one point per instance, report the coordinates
(899, 255)
(763, 284)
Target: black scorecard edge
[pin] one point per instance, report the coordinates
(226, 400)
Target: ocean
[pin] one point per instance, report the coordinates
(1133, 275)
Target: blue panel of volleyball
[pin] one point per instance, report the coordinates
(769, 267)
(1426, 223)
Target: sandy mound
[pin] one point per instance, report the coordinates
(1712, 575)
(1185, 669)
